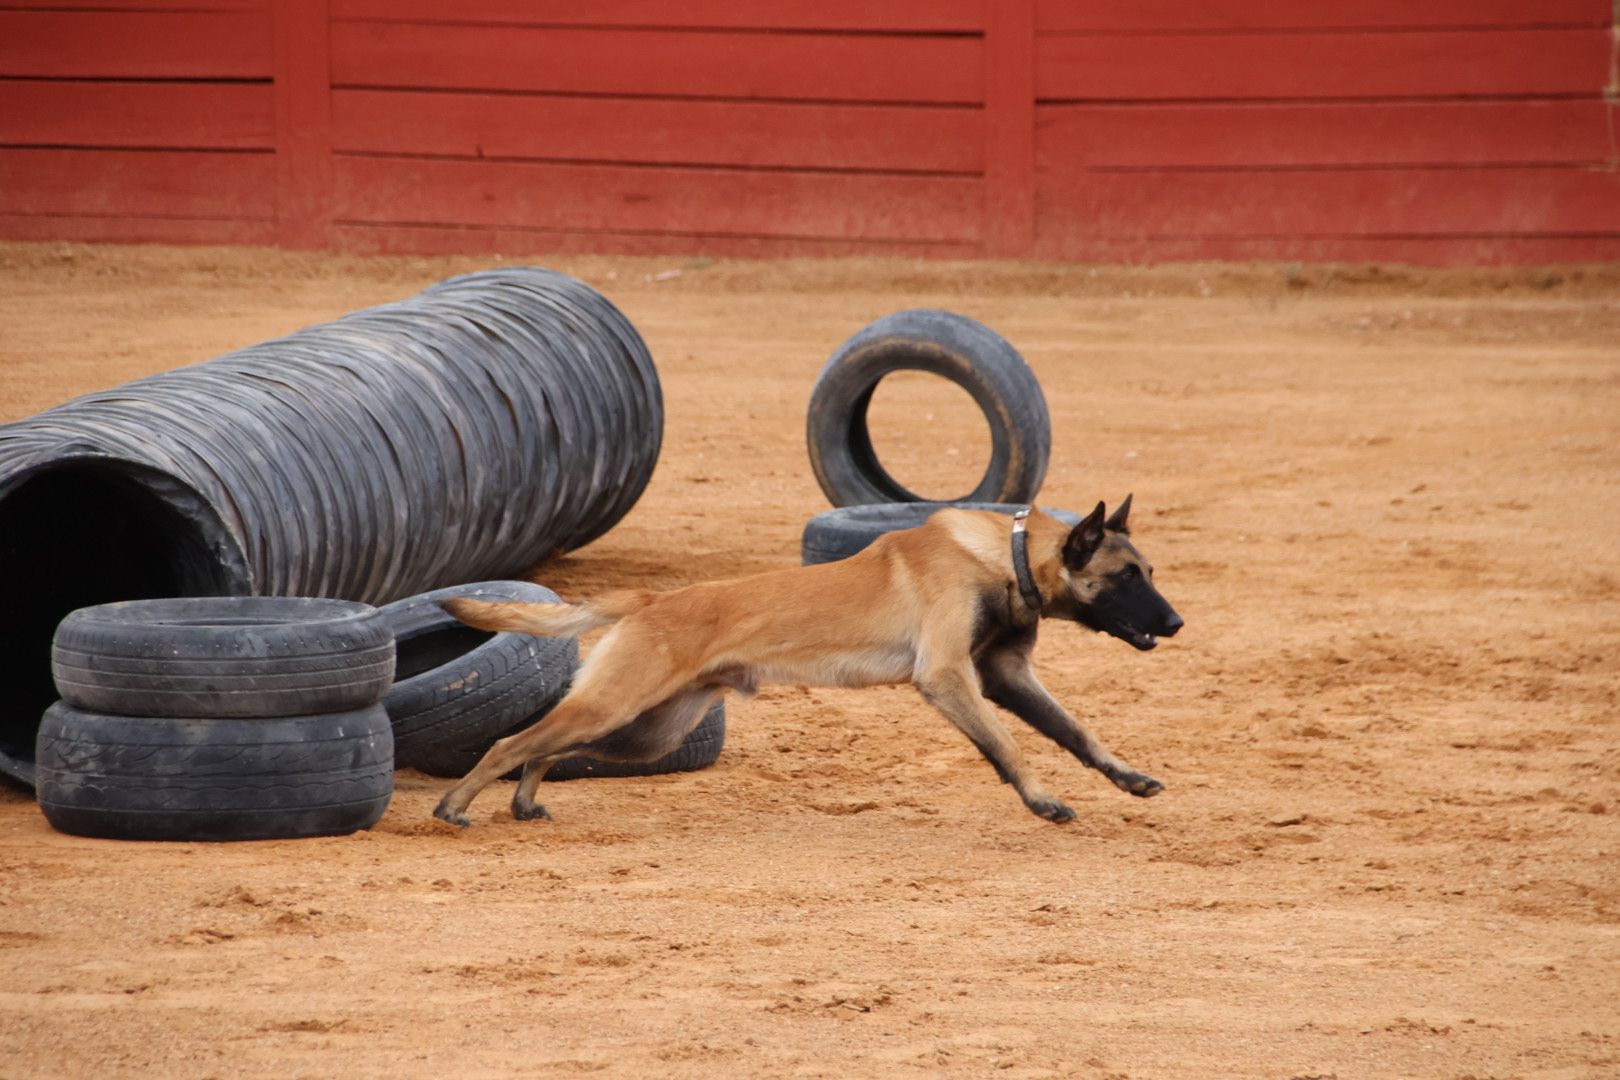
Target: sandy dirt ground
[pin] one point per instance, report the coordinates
(1387, 504)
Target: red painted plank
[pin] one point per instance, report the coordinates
(912, 15)
(192, 116)
(1009, 105)
(1424, 250)
(1418, 250)
(594, 197)
(1370, 133)
(136, 5)
(440, 240)
(1311, 65)
(1358, 202)
(737, 133)
(100, 44)
(136, 230)
(1055, 16)
(303, 102)
(860, 67)
(136, 183)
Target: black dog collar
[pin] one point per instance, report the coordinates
(1020, 561)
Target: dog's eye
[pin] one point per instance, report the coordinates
(1131, 572)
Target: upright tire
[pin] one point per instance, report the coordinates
(837, 534)
(958, 348)
(223, 657)
(221, 778)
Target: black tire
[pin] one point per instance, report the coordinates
(150, 778)
(698, 750)
(838, 534)
(223, 656)
(460, 688)
(960, 349)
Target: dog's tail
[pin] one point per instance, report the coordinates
(546, 620)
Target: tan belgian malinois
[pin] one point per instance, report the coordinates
(951, 606)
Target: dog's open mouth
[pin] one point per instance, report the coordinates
(1136, 638)
(1106, 623)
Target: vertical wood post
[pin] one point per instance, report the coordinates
(1611, 93)
(301, 31)
(1009, 128)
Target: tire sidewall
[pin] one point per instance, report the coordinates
(451, 710)
(416, 616)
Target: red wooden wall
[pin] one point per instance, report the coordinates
(1419, 130)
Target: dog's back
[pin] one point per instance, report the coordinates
(957, 552)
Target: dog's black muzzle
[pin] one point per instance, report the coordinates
(1138, 616)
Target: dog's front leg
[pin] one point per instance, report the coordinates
(1010, 682)
(954, 691)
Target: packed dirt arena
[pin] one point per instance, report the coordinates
(1385, 500)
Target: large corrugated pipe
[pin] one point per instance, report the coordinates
(460, 435)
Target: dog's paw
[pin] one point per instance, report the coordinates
(1143, 787)
(460, 821)
(529, 811)
(1051, 810)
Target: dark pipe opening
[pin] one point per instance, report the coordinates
(85, 531)
(435, 648)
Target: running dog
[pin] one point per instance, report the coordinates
(951, 606)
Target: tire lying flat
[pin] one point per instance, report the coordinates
(698, 750)
(216, 778)
(943, 343)
(460, 688)
(223, 656)
(838, 534)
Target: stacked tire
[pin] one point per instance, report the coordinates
(218, 718)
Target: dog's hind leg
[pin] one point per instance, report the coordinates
(1010, 682)
(524, 806)
(575, 720)
(613, 687)
(651, 735)
(954, 691)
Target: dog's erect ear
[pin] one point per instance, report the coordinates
(1084, 539)
(1117, 522)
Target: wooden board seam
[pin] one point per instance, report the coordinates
(655, 166)
(1392, 99)
(354, 223)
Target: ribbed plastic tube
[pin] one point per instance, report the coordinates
(460, 435)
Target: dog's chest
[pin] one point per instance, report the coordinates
(994, 625)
